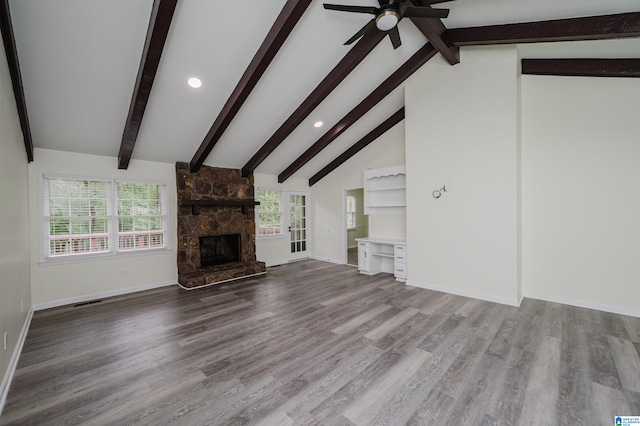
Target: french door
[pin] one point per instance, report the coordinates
(298, 221)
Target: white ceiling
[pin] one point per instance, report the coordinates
(79, 60)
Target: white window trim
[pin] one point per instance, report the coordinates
(112, 215)
(282, 233)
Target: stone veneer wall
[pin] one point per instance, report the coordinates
(212, 183)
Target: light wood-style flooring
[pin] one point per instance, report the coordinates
(352, 256)
(317, 343)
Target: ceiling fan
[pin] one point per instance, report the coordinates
(388, 15)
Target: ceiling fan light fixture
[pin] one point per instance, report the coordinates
(387, 20)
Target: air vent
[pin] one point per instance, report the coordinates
(90, 302)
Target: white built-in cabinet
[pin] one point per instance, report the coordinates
(385, 190)
(377, 255)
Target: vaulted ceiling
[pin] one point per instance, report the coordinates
(80, 63)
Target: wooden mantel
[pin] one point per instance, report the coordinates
(240, 202)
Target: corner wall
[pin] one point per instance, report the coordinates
(581, 194)
(65, 282)
(327, 197)
(462, 132)
(15, 286)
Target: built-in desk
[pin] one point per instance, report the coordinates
(377, 255)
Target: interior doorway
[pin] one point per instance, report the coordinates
(356, 223)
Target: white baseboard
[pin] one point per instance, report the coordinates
(102, 295)
(472, 294)
(13, 363)
(585, 304)
(222, 282)
(326, 259)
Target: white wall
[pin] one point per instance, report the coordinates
(61, 283)
(462, 129)
(388, 225)
(15, 289)
(275, 250)
(327, 197)
(581, 194)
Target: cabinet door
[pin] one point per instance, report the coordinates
(363, 257)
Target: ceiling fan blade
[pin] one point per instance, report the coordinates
(394, 35)
(357, 9)
(424, 12)
(363, 31)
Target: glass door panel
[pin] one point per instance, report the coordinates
(298, 225)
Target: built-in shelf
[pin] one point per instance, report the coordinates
(385, 190)
(394, 188)
(228, 202)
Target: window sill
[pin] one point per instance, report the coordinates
(268, 237)
(83, 258)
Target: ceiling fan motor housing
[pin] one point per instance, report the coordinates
(387, 18)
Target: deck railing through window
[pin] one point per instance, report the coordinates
(78, 243)
(140, 240)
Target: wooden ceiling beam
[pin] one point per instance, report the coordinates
(433, 30)
(387, 86)
(348, 63)
(11, 53)
(159, 23)
(583, 67)
(572, 29)
(397, 117)
(280, 30)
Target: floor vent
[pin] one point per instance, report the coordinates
(90, 302)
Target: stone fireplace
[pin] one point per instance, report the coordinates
(216, 226)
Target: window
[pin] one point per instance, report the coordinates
(269, 212)
(351, 212)
(76, 217)
(140, 218)
(101, 216)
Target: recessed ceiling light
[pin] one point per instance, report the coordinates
(317, 124)
(194, 82)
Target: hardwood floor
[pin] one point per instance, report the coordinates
(352, 256)
(317, 343)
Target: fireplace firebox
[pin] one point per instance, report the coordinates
(219, 249)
